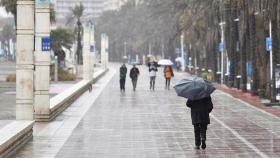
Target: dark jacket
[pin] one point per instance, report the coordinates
(153, 66)
(123, 71)
(200, 110)
(134, 72)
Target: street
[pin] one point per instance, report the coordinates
(157, 124)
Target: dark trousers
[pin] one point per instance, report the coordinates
(89, 87)
(200, 133)
(134, 83)
(152, 82)
(167, 83)
(122, 83)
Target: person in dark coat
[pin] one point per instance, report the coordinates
(200, 110)
(123, 71)
(134, 72)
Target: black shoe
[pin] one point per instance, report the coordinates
(197, 147)
(203, 145)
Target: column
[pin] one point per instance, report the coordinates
(25, 60)
(103, 50)
(107, 52)
(42, 58)
(93, 46)
(87, 55)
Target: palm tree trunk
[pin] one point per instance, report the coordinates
(252, 30)
(275, 47)
(79, 44)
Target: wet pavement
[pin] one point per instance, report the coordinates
(147, 124)
(7, 101)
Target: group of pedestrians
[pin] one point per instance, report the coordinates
(200, 108)
(134, 73)
(153, 69)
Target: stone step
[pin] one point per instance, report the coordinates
(14, 135)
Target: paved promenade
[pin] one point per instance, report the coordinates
(145, 124)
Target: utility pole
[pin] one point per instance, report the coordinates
(222, 52)
(162, 51)
(150, 49)
(182, 52)
(125, 49)
(270, 54)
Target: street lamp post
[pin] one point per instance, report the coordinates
(270, 53)
(182, 52)
(125, 49)
(222, 52)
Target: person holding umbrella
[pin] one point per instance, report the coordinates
(198, 92)
(200, 110)
(168, 73)
(134, 72)
(152, 72)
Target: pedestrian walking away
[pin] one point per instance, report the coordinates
(90, 87)
(178, 65)
(134, 73)
(200, 110)
(152, 72)
(168, 74)
(123, 72)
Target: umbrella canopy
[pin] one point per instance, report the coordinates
(179, 59)
(165, 62)
(194, 88)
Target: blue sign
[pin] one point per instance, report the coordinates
(249, 68)
(221, 47)
(46, 44)
(268, 44)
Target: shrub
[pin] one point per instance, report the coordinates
(64, 75)
(11, 78)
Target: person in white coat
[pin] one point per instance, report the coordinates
(152, 73)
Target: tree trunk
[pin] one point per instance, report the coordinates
(79, 44)
(252, 31)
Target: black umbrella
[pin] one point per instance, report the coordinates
(194, 88)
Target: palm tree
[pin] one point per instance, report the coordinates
(77, 13)
(7, 34)
(52, 13)
(11, 7)
(61, 38)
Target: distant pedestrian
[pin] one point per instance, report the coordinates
(200, 110)
(134, 73)
(178, 65)
(152, 72)
(123, 72)
(90, 87)
(168, 73)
